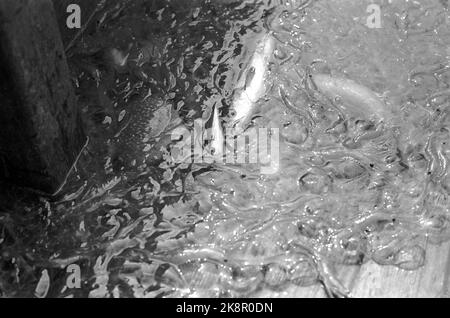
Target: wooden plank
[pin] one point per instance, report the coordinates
(41, 131)
(374, 281)
(446, 281)
(391, 282)
(293, 291)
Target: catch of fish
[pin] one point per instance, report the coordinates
(265, 150)
(337, 198)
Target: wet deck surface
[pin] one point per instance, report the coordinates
(140, 225)
(374, 281)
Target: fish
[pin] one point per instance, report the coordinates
(43, 285)
(217, 136)
(117, 58)
(356, 98)
(252, 86)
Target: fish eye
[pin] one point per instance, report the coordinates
(233, 113)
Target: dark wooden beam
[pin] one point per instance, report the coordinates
(40, 127)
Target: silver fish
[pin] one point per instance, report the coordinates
(357, 98)
(252, 85)
(218, 139)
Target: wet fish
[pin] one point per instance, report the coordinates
(252, 85)
(43, 285)
(218, 138)
(357, 99)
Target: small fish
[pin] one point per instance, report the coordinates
(252, 85)
(43, 285)
(218, 138)
(119, 57)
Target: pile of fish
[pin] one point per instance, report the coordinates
(345, 192)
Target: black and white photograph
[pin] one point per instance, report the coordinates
(235, 151)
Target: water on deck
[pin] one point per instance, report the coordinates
(358, 205)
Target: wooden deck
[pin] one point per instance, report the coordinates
(374, 281)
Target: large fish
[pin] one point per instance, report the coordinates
(252, 85)
(357, 99)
